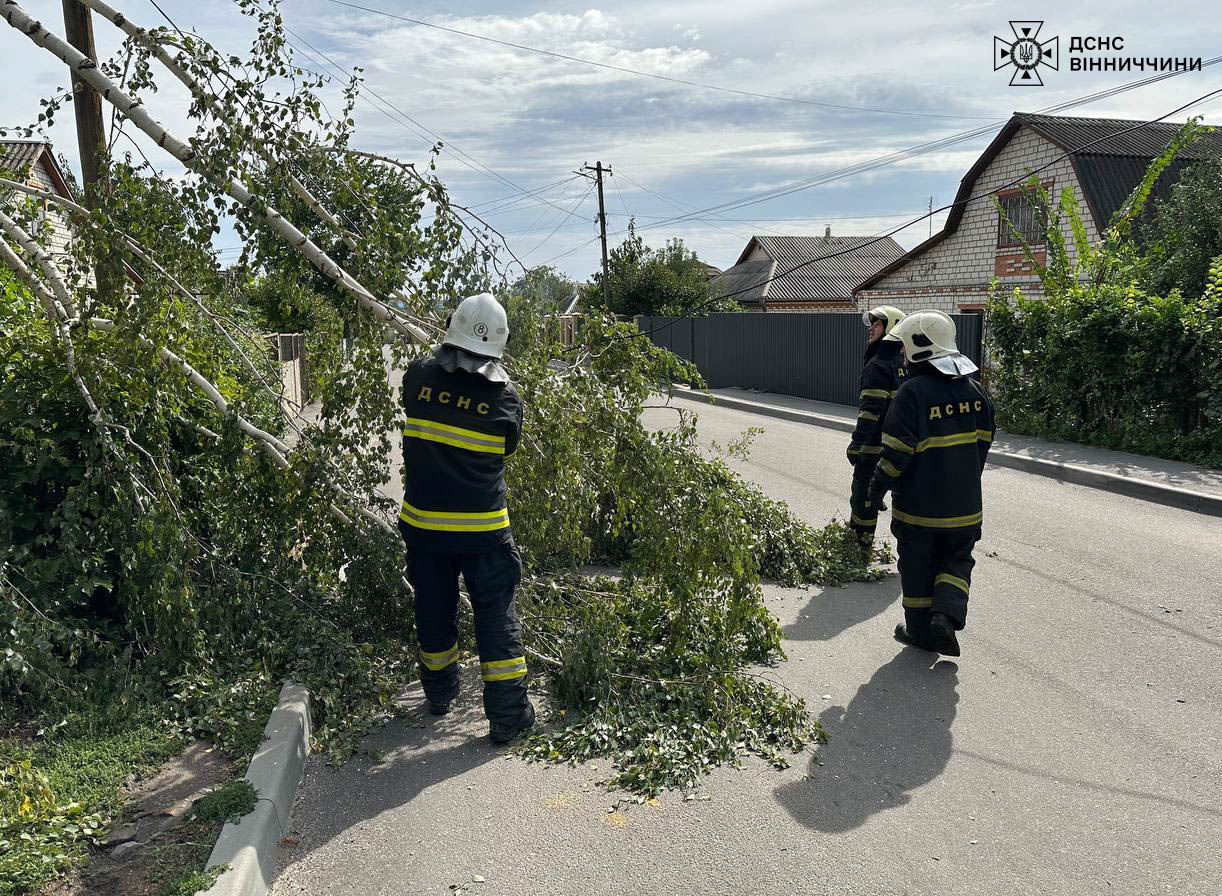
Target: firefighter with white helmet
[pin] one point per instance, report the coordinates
(464, 418)
(935, 440)
(880, 378)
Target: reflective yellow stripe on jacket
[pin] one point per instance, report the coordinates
(893, 442)
(970, 437)
(454, 521)
(456, 436)
(938, 522)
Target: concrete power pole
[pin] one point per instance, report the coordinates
(90, 136)
(598, 170)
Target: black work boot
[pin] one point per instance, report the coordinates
(942, 634)
(905, 636)
(502, 733)
(438, 709)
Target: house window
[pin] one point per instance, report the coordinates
(1023, 218)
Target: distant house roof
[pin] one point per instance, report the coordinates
(569, 304)
(805, 268)
(745, 282)
(1109, 155)
(21, 155)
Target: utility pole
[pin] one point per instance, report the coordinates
(598, 170)
(931, 216)
(90, 137)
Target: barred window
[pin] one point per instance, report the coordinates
(1024, 213)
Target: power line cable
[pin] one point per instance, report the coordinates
(910, 152)
(838, 107)
(447, 146)
(961, 202)
(572, 211)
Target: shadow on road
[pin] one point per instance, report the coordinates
(831, 611)
(394, 765)
(893, 737)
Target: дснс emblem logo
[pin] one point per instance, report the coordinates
(1025, 53)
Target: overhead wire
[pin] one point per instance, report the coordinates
(837, 107)
(910, 152)
(1207, 97)
(447, 146)
(572, 211)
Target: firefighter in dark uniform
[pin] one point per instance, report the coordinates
(463, 419)
(880, 378)
(935, 440)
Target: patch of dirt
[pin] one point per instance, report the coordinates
(152, 843)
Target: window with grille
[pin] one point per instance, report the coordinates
(1023, 218)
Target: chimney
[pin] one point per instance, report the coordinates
(827, 233)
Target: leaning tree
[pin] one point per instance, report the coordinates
(171, 536)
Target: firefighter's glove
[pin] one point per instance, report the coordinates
(875, 499)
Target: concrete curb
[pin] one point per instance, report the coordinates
(251, 846)
(1144, 489)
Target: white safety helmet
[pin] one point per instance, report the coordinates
(479, 326)
(930, 336)
(888, 314)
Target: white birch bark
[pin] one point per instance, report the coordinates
(139, 252)
(179, 71)
(59, 326)
(57, 313)
(87, 69)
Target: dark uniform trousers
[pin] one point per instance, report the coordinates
(935, 572)
(491, 577)
(936, 440)
(863, 520)
(458, 431)
(880, 378)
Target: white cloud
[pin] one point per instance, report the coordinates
(532, 118)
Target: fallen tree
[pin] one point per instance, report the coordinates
(163, 541)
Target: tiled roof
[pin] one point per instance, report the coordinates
(817, 268)
(19, 155)
(1110, 156)
(745, 282)
(1117, 137)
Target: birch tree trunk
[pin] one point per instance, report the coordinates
(135, 112)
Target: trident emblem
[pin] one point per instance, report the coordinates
(1025, 53)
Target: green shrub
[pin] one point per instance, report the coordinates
(227, 803)
(1102, 359)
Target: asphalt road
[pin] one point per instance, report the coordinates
(1075, 747)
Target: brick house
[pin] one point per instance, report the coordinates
(33, 163)
(1103, 160)
(830, 266)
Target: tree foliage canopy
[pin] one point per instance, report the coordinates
(644, 280)
(169, 538)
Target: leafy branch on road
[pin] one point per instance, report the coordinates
(155, 552)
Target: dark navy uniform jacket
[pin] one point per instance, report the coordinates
(460, 428)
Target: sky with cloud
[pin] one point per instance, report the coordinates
(515, 122)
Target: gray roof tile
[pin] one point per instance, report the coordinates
(815, 268)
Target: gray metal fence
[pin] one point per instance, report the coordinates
(813, 355)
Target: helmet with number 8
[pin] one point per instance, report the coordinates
(478, 325)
